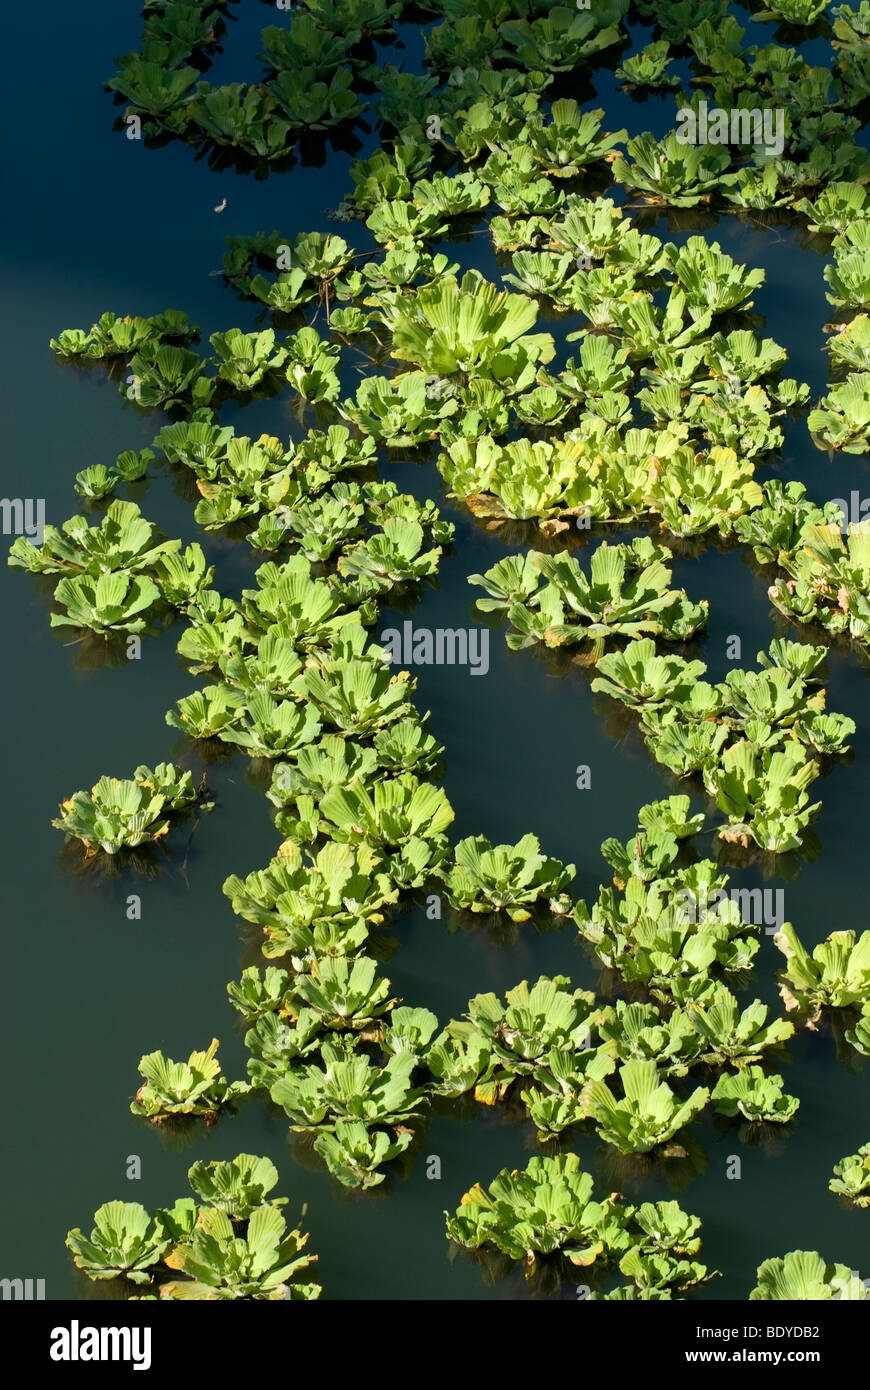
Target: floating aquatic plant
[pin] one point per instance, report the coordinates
(546, 1208)
(666, 171)
(344, 885)
(775, 719)
(753, 1095)
(194, 1087)
(649, 67)
(672, 928)
(835, 976)
(827, 578)
(124, 813)
(647, 1113)
(507, 878)
(124, 1243)
(842, 419)
(802, 1275)
(124, 541)
(349, 1087)
(852, 1177)
(659, 418)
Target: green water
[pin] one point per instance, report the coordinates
(96, 222)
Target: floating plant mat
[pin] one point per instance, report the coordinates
(543, 756)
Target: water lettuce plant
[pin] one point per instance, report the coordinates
(194, 1087)
(852, 1177)
(124, 1242)
(673, 928)
(666, 171)
(113, 335)
(754, 1095)
(835, 976)
(564, 1044)
(731, 1035)
(342, 887)
(826, 579)
(343, 994)
(521, 1034)
(124, 542)
(123, 813)
(349, 1087)
(402, 816)
(802, 1275)
(507, 878)
(469, 326)
(649, 67)
(764, 794)
(117, 576)
(345, 1051)
(236, 1187)
(647, 1113)
(110, 605)
(842, 419)
(355, 1154)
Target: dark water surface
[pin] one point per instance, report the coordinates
(97, 222)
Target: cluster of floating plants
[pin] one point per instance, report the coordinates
(126, 812)
(547, 1214)
(756, 739)
(670, 406)
(549, 1209)
(349, 1063)
(230, 1240)
(625, 594)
